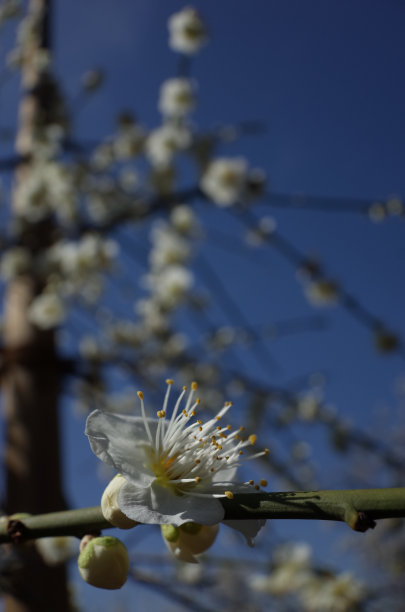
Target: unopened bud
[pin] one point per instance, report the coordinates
(104, 563)
(109, 505)
(189, 540)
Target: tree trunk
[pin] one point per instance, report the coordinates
(31, 379)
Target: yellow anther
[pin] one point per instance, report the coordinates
(257, 487)
(263, 482)
(241, 428)
(184, 388)
(251, 482)
(169, 381)
(161, 414)
(197, 479)
(228, 427)
(193, 413)
(227, 457)
(197, 401)
(252, 439)
(236, 437)
(218, 418)
(194, 386)
(140, 395)
(199, 421)
(266, 451)
(200, 428)
(229, 494)
(212, 470)
(240, 453)
(197, 461)
(185, 413)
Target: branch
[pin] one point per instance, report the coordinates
(358, 508)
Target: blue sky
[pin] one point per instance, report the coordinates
(326, 79)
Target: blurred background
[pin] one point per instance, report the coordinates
(283, 292)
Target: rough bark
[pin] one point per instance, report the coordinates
(31, 380)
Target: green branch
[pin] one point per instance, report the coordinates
(358, 508)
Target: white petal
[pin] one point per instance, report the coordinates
(249, 528)
(121, 441)
(160, 505)
(225, 475)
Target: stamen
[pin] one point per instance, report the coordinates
(145, 422)
(263, 482)
(229, 494)
(252, 439)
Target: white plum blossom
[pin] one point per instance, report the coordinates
(84, 257)
(164, 142)
(56, 550)
(338, 593)
(322, 292)
(168, 247)
(225, 180)
(177, 97)
(183, 219)
(187, 32)
(15, 261)
(176, 467)
(129, 142)
(47, 311)
(48, 188)
(171, 285)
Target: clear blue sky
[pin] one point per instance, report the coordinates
(326, 79)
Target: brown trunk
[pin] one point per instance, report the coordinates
(31, 385)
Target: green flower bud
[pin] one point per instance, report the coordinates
(109, 505)
(170, 533)
(104, 563)
(189, 540)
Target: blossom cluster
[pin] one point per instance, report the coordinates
(294, 574)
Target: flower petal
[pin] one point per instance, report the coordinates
(121, 441)
(249, 528)
(158, 504)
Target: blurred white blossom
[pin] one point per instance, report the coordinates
(46, 311)
(14, 261)
(177, 97)
(322, 292)
(183, 219)
(187, 33)
(224, 180)
(164, 142)
(56, 550)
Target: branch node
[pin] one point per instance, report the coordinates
(16, 530)
(358, 521)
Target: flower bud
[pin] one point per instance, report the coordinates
(104, 563)
(189, 540)
(109, 505)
